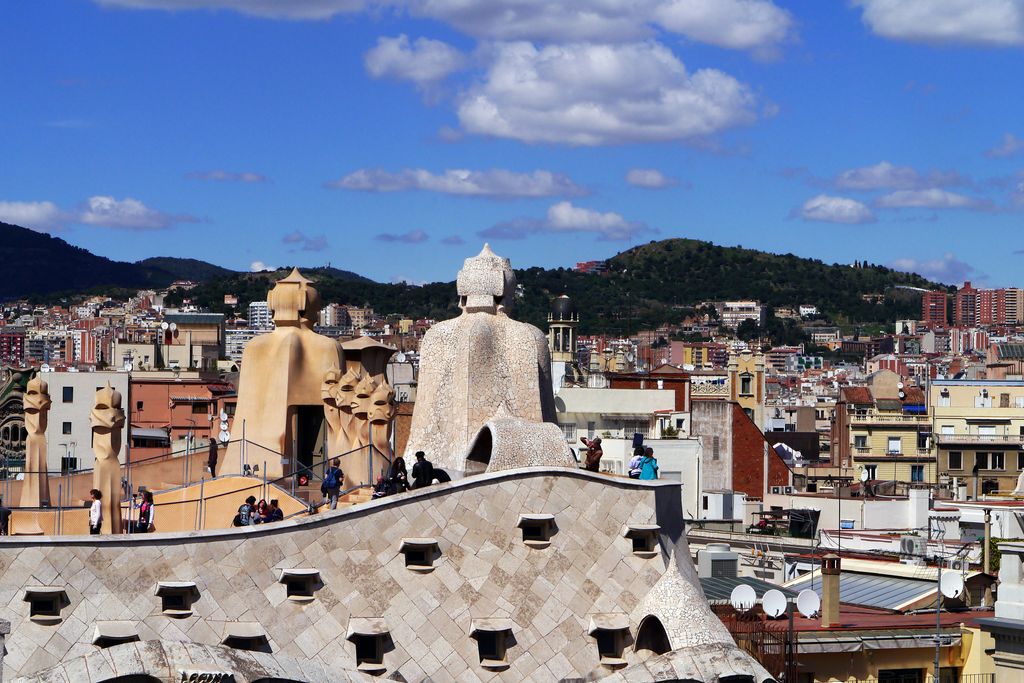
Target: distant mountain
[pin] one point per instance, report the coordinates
(184, 268)
(44, 267)
(35, 263)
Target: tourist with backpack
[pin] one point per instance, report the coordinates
(245, 512)
(333, 479)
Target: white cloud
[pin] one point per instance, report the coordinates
(835, 210)
(650, 178)
(410, 237)
(1010, 146)
(494, 183)
(228, 176)
(127, 214)
(996, 23)
(948, 269)
(564, 217)
(742, 24)
(268, 9)
(425, 62)
(887, 176)
(930, 198)
(739, 24)
(585, 94)
(881, 175)
(259, 266)
(39, 216)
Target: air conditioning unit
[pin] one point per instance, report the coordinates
(959, 565)
(777, 490)
(913, 546)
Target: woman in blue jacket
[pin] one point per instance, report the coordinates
(648, 465)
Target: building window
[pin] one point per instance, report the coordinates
(65, 428)
(704, 503)
(922, 442)
(45, 603)
(200, 408)
(68, 394)
(138, 406)
(998, 462)
(947, 430)
(611, 631)
(537, 529)
(1020, 461)
(872, 471)
(956, 460)
(895, 446)
(917, 473)
(714, 447)
(746, 385)
(981, 461)
(986, 430)
(860, 441)
(300, 584)
(644, 539)
(176, 597)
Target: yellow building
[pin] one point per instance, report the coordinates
(884, 428)
(747, 384)
(979, 432)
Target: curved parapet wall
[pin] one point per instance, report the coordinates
(433, 572)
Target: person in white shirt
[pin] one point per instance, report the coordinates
(95, 512)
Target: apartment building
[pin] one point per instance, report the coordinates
(884, 429)
(934, 308)
(732, 313)
(979, 432)
(1004, 306)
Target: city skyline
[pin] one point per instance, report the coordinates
(391, 139)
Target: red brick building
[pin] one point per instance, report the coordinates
(934, 308)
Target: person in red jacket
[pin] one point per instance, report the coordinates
(594, 453)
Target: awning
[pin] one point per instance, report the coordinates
(149, 433)
(366, 626)
(891, 639)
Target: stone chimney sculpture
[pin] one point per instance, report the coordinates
(35, 490)
(107, 419)
(485, 381)
(282, 373)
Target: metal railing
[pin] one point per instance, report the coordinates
(884, 418)
(1009, 439)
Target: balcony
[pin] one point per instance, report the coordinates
(707, 390)
(980, 439)
(873, 417)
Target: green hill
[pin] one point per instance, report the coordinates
(646, 286)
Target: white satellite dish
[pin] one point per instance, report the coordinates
(743, 598)
(864, 476)
(173, 327)
(808, 603)
(127, 366)
(224, 437)
(774, 603)
(952, 585)
(223, 416)
(899, 385)
(45, 367)
(400, 358)
(163, 325)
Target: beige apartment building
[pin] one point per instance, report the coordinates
(978, 428)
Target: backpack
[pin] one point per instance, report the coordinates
(331, 479)
(243, 514)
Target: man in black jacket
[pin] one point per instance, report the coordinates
(422, 471)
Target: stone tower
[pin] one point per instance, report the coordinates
(562, 322)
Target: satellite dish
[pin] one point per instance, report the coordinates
(224, 437)
(173, 327)
(743, 598)
(952, 585)
(864, 476)
(899, 385)
(163, 325)
(808, 603)
(903, 394)
(45, 367)
(774, 603)
(223, 416)
(127, 366)
(400, 358)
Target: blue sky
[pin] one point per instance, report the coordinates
(393, 137)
